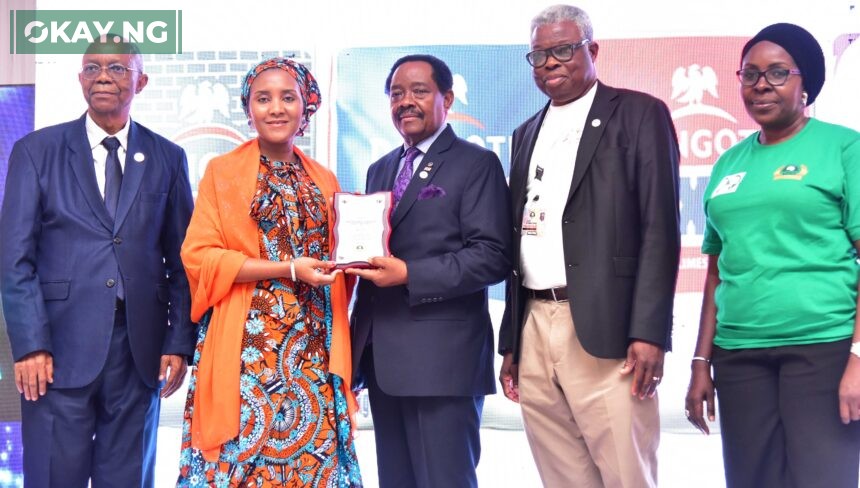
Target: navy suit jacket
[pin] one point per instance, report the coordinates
(433, 336)
(620, 226)
(60, 252)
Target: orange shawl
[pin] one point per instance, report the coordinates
(220, 237)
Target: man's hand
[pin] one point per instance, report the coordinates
(389, 271)
(645, 361)
(33, 373)
(172, 372)
(509, 378)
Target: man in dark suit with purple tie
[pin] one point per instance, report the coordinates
(421, 332)
(94, 295)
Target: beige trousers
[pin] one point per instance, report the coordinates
(584, 427)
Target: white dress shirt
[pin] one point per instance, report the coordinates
(96, 135)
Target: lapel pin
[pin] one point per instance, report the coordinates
(595, 123)
(139, 157)
(423, 175)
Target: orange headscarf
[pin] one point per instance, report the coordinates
(220, 237)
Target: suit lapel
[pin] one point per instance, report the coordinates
(430, 164)
(605, 101)
(81, 161)
(383, 178)
(132, 173)
(522, 161)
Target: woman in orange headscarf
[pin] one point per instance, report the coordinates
(269, 402)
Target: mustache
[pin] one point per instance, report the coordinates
(408, 111)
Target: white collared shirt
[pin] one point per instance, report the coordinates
(542, 256)
(424, 146)
(96, 135)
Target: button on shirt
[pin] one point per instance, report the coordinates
(95, 136)
(542, 255)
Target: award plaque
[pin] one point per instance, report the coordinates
(361, 228)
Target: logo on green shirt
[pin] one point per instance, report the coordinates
(790, 172)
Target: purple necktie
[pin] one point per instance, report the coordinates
(402, 180)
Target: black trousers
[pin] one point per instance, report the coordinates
(424, 442)
(779, 416)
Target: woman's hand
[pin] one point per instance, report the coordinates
(315, 272)
(849, 391)
(701, 390)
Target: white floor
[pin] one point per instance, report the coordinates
(685, 459)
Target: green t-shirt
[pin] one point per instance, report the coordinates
(783, 219)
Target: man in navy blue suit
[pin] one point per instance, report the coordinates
(94, 295)
(421, 330)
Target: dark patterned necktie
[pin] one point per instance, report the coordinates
(402, 180)
(113, 175)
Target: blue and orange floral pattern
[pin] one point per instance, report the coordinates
(295, 430)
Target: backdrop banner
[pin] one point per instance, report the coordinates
(494, 93)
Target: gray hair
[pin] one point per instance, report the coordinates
(106, 44)
(561, 13)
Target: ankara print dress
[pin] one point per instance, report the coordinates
(294, 427)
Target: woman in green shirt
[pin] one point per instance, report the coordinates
(779, 314)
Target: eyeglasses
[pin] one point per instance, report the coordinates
(774, 76)
(116, 71)
(562, 52)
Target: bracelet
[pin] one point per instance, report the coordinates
(292, 269)
(702, 358)
(855, 348)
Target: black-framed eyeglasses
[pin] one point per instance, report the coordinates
(116, 71)
(774, 76)
(562, 52)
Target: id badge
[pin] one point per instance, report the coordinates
(534, 221)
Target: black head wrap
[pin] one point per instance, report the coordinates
(804, 50)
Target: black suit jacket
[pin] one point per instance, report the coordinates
(620, 225)
(433, 336)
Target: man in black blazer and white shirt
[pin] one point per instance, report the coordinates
(594, 188)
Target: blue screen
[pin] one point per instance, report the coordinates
(17, 108)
